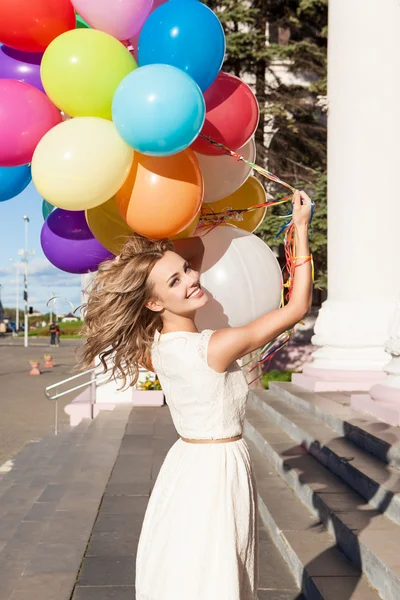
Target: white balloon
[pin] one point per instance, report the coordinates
(241, 277)
(223, 175)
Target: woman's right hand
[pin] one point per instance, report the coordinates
(301, 209)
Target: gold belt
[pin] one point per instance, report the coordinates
(210, 441)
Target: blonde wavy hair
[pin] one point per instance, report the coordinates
(118, 325)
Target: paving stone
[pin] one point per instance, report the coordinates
(23, 542)
(136, 445)
(8, 528)
(41, 511)
(53, 493)
(56, 558)
(124, 476)
(73, 504)
(124, 505)
(44, 586)
(7, 586)
(83, 490)
(16, 492)
(135, 488)
(113, 543)
(118, 523)
(104, 593)
(68, 527)
(108, 570)
(11, 570)
(126, 463)
(139, 429)
(18, 507)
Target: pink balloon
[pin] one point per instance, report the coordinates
(120, 18)
(26, 115)
(134, 41)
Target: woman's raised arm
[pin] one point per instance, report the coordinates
(228, 345)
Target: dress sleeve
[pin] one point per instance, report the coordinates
(203, 344)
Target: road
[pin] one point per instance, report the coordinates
(25, 412)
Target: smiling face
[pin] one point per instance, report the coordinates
(176, 287)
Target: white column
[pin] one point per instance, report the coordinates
(363, 191)
(383, 400)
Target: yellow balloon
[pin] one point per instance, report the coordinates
(82, 68)
(249, 194)
(81, 163)
(188, 231)
(107, 226)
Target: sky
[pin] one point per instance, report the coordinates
(44, 280)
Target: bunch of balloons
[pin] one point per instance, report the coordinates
(109, 111)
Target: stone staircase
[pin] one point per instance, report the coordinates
(329, 484)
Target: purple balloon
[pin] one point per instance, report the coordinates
(69, 244)
(21, 66)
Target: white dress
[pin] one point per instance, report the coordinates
(199, 536)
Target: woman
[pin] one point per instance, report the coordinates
(199, 535)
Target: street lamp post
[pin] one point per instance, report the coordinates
(26, 327)
(26, 254)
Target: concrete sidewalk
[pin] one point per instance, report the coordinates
(25, 413)
(71, 511)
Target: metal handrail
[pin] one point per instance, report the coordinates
(59, 383)
(94, 379)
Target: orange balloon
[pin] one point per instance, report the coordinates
(249, 194)
(162, 195)
(189, 230)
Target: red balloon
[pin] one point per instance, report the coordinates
(26, 115)
(30, 25)
(232, 115)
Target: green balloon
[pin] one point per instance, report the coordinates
(81, 23)
(47, 209)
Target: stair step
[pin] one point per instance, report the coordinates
(375, 437)
(368, 538)
(320, 569)
(374, 480)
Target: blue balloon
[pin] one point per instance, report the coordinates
(186, 35)
(158, 110)
(13, 181)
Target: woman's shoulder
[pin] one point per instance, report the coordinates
(189, 347)
(182, 340)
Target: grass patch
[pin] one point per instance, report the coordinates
(276, 376)
(67, 330)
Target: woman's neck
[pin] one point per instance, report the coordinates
(179, 324)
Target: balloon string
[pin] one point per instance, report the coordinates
(256, 167)
(209, 220)
(209, 217)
